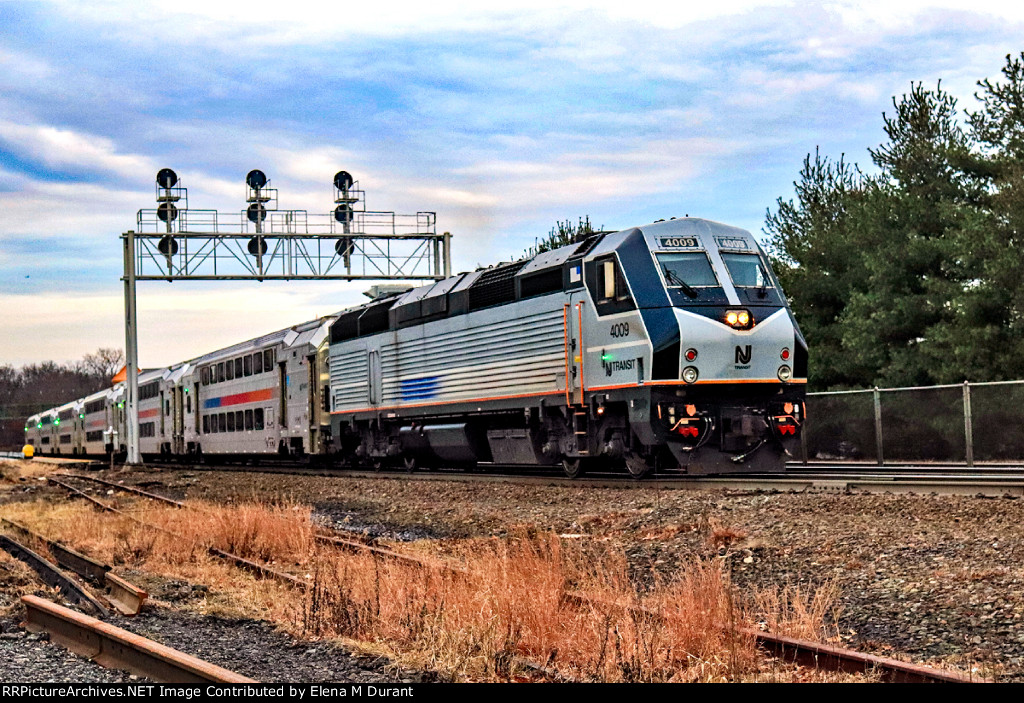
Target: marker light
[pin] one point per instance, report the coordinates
(690, 374)
(785, 354)
(788, 407)
(785, 373)
(691, 354)
(739, 319)
(691, 410)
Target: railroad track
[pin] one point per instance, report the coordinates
(114, 648)
(804, 652)
(988, 481)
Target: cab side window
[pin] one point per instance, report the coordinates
(608, 286)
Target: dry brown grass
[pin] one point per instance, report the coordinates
(809, 613)
(508, 601)
(511, 602)
(721, 536)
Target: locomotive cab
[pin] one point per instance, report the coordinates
(720, 363)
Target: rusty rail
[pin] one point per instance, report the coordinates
(125, 597)
(128, 489)
(86, 567)
(115, 648)
(52, 576)
(241, 562)
(807, 653)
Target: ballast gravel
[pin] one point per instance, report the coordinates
(927, 578)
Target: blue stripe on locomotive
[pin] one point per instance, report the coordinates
(420, 388)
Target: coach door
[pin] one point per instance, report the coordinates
(177, 420)
(573, 320)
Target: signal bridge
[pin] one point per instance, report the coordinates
(173, 242)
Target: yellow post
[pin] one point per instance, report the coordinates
(28, 451)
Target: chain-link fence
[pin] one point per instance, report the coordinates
(965, 423)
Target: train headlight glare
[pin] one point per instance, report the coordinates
(690, 374)
(739, 319)
(785, 373)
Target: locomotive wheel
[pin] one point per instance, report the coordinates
(573, 468)
(637, 465)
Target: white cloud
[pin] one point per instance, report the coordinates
(66, 148)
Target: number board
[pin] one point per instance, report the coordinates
(733, 243)
(680, 243)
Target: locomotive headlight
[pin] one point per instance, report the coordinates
(785, 373)
(739, 319)
(690, 374)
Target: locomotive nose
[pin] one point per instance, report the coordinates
(716, 350)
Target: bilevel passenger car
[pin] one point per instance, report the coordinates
(669, 346)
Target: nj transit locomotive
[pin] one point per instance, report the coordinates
(668, 347)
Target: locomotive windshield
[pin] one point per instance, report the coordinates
(747, 271)
(688, 270)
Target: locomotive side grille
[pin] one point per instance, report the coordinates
(517, 355)
(349, 379)
(495, 286)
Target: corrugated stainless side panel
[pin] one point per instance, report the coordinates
(349, 379)
(502, 352)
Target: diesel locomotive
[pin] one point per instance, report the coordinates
(668, 347)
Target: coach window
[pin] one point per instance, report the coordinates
(204, 375)
(268, 359)
(258, 418)
(238, 367)
(257, 362)
(238, 420)
(167, 407)
(248, 419)
(231, 422)
(220, 372)
(188, 403)
(247, 365)
(222, 422)
(206, 424)
(230, 370)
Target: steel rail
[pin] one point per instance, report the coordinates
(350, 545)
(840, 481)
(52, 576)
(806, 652)
(115, 648)
(86, 567)
(241, 562)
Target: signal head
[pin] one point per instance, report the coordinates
(167, 212)
(343, 180)
(166, 178)
(256, 212)
(343, 213)
(256, 179)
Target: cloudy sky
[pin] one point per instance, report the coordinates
(501, 120)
